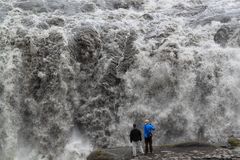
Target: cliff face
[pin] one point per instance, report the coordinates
(100, 66)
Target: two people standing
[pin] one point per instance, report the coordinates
(136, 138)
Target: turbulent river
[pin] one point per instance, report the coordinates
(76, 74)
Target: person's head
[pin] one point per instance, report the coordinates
(146, 121)
(134, 125)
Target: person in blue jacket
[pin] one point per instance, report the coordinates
(148, 128)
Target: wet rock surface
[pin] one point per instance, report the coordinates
(234, 142)
(171, 153)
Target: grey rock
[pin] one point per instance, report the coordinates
(102, 155)
(119, 153)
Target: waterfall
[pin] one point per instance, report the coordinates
(76, 74)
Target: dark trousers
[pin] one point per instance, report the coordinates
(148, 142)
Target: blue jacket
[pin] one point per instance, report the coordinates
(148, 128)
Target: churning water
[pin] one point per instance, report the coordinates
(75, 74)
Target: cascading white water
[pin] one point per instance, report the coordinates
(101, 65)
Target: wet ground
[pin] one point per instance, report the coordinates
(190, 153)
(181, 152)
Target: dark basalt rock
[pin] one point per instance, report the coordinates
(101, 155)
(120, 153)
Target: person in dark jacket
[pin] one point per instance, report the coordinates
(135, 139)
(148, 128)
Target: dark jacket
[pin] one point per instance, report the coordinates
(135, 135)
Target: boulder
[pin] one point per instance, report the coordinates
(119, 153)
(102, 155)
(234, 142)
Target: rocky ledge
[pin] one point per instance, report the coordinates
(186, 151)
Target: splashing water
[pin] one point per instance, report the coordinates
(101, 65)
(76, 148)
